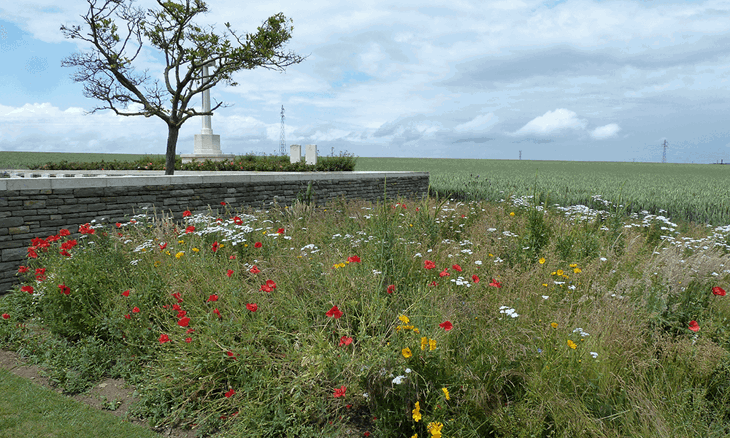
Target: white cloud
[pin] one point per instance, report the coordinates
(605, 132)
(482, 122)
(552, 122)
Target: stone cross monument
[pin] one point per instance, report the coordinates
(207, 145)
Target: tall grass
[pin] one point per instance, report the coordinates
(435, 318)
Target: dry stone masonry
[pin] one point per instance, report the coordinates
(38, 207)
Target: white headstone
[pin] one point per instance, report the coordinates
(295, 154)
(311, 156)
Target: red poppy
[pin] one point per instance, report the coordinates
(212, 298)
(446, 325)
(128, 316)
(334, 311)
(252, 307)
(237, 220)
(64, 232)
(86, 229)
(230, 354)
(694, 326)
(475, 278)
(264, 288)
(32, 254)
(188, 331)
(64, 289)
(428, 264)
(215, 246)
(174, 307)
(188, 340)
(69, 244)
(444, 273)
(494, 283)
(271, 284)
(217, 313)
(230, 272)
(65, 253)
(230, 393)
(254, 270)
(183, 322)
(280, 231)
(391, 288)
(340, 392)
(353, 259)
(135, 310)
(718, 291)
(28, 289)
(125, 293)
(457, 268)
(181, 313)
(433, 283)
(177, 296)
(187, 213)
(257, 245)
(189, 229)
(345, 341)
(232, 257)
(223, 203)
(118, 225)
(163, 246)
(6, 316)
(164, 338)
(22, 269)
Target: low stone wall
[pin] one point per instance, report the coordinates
(38, 207)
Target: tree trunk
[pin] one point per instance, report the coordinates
(172, 132)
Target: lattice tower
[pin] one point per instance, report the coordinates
(664, 155)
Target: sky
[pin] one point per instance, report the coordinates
(575, 80)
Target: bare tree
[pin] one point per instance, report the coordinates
(171, 28)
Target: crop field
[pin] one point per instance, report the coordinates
(691, 192)
(696, 193)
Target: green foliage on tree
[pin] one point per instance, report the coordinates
(107, 71)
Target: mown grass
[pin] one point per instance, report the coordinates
(572, 329)
(30, 410)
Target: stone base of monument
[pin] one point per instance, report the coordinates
(192, 158)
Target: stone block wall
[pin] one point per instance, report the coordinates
(39, 207)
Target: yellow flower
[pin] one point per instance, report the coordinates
(560, 272)
(415, 330)
(264, 232)
(406, 352)
(512, 213)
(490, 255)
(180, 254)
(571, 344)
(167, 252)
(542, 260)
(415, 436)
(195, 250)
(157, 263)
(417, 413)
(435, 429)
(180, 241)
(573, 265)
(424, 342)
(554, 324)
(432, 344)
(577, 270)
(404, 319)
(446, 393)
(545, 284)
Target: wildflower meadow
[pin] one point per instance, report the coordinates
(425, 318)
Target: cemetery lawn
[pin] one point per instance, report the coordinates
(399, 319)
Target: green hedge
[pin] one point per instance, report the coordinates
(342, 162)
